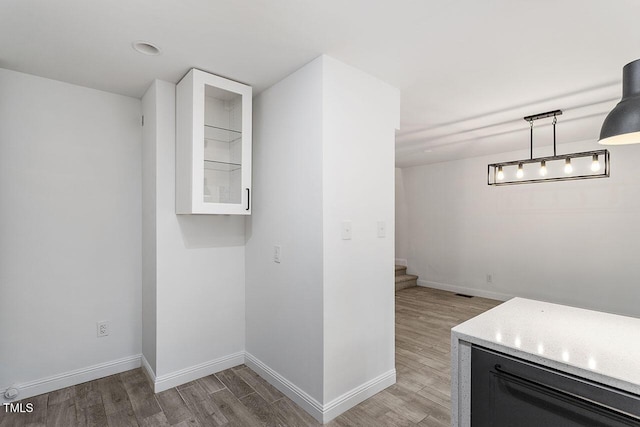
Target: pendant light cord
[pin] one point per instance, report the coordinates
(555, 120)
(531, 137)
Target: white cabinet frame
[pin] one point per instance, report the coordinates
(190, 136)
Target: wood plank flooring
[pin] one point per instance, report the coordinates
(240, 397)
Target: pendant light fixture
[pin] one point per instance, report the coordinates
(564, 167)
(543, 168)
(567, 166)
(622, 124)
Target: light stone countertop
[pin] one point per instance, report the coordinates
(602, 347)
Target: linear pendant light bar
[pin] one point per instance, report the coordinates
(555, 171)
(563, 167)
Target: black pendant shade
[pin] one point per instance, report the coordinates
(622, 124)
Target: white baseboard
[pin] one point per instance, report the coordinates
(158, 383)
(293, 392)
(322, 413)
(174, 379)
(463, 290)
(359, 394)
(78, 376)
(146, 368)
(401, 261)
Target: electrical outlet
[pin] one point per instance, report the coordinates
(346, 230)
(489, 278)
(277, 253)
(103, 329)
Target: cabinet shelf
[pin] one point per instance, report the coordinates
(219, 134)
(215, 165)
(225, 129)
(222, 140)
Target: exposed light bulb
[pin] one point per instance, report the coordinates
(543, 168)
(567, 166)
(595, 164)
(500, 173)
(520, 172)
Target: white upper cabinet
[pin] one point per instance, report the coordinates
(213, 145)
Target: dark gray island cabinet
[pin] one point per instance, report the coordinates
(531, 363)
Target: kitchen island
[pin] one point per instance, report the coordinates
(600, 347)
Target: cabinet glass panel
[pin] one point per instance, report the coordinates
(222, 146)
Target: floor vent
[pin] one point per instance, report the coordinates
(464, 295)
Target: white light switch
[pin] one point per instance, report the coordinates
(346, 230)
(382, 229)
(277, 253)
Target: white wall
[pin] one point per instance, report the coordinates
(360, 115)
(70, 227)
(284, 301)
(402, 219)
(574, 242)
(149, 227)
(200, 311)
(320, 324)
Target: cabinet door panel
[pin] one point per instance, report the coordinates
(213, 158)
(506, 391)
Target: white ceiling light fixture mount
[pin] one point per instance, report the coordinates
(563, 167)
(146, 48)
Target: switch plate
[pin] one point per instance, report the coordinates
(382, 229)
(346, 230)
(277, 253)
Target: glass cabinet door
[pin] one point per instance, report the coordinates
(222, 147)
(213, 145)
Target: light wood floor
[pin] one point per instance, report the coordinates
(239, 397)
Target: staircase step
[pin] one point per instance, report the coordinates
(406, 281)
(401, 270)
(406, 277)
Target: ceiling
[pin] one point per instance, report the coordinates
(468, 70)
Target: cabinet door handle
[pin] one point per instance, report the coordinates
(248, 199)
(556, 392)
